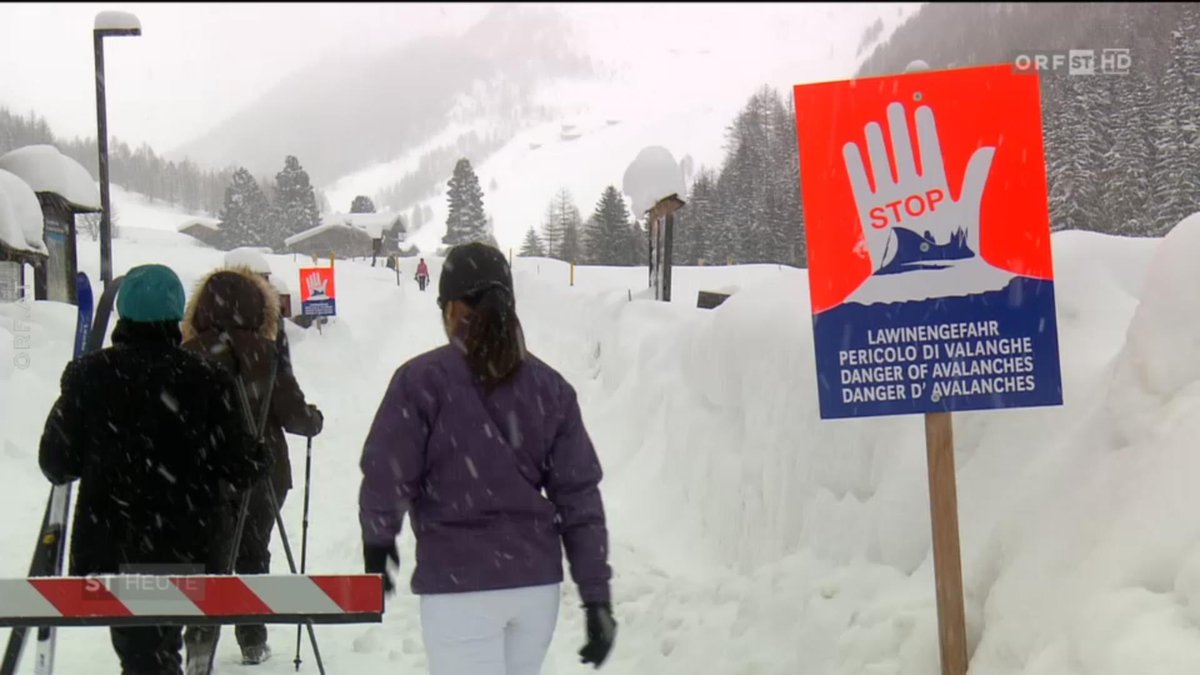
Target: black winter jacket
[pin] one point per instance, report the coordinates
(149, 430)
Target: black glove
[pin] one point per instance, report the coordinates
(262, 459)
(375, 561)
(601, 631)
(318, 417)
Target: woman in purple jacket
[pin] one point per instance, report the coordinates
(483, 446)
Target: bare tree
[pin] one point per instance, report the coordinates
(90, 223)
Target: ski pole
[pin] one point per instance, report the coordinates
(304, 532)
(287, 550)
(257, 431)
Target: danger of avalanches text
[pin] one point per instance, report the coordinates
(955, 359)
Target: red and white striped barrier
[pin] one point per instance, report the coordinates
(123, 600)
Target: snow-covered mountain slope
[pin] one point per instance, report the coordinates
(654, 87)
(139, 219)
(351, 110)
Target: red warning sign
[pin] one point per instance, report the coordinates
(983, 124)
(927, 218)
(317, 293)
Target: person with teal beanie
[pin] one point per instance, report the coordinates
(149, 430)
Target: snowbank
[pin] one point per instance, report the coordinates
(46, 169)
(22, 226)
(1161, 356)
(714, 444)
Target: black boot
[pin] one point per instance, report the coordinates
(255, 654)
(201, 643)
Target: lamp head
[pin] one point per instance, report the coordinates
(117, 23)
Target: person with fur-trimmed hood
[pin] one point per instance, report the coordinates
(233, 318)
(149, 431)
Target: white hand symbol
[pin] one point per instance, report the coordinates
(317, 283)
(919, 202)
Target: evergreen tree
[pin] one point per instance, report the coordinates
(179, 183)
(751, 210)
(362, 204)
(762, 166)
(694, 222)
(552, 232)
(466, 222)
(573, 246)
(1126, 163)
(562, 230)
(393, 236)
(1176, 192)
(609, 234)
(245, 213)
(295, 199)
(1074, 188)
(638, 248)
(724, 239)
(736, 187)
(532, 247)
(417, 218)
(789, 234)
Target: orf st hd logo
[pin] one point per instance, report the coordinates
(1074, 62)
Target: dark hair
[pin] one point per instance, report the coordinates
(478, 275)
(494, 340)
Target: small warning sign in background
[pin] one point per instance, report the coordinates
(928, 230)
(317, 293)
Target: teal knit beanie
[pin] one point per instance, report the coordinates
(150, 294)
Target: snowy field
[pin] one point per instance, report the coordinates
(749, 537)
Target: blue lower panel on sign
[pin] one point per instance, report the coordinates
(991, 350)
(319, 308)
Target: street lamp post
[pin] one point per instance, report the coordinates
(108, 24)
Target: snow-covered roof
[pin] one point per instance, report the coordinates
(320, 229)
(208, 223)
(117, 21)
(21, 220)
(373, 223)
(46, 169)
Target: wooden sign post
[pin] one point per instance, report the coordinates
(947, 559)
(660, 226)
(930, 268)
(943, 517)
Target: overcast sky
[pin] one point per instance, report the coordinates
(196, 64)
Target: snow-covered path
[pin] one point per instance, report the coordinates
(670, 600)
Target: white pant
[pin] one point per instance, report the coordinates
(505, 632)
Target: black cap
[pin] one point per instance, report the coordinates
(471, 269)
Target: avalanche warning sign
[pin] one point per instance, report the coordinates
(928, 229)
(317, 296)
